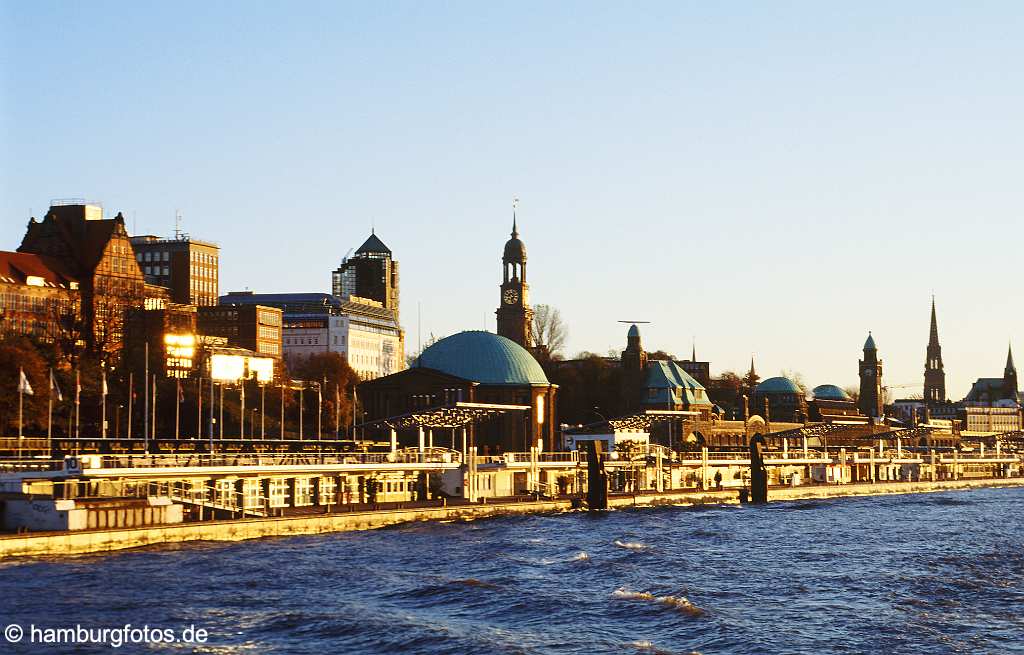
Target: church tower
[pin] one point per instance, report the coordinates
(1010, 377)
(934, 375)
(515, 317)
(870, 401)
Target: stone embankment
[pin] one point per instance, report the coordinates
(95, 541)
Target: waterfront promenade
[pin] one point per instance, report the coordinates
(95, 541)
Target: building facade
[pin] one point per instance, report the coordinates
(187, 267)
(363, 331)
(515, 316)
(37, 298)
(996, 392)
(97, 252)
(370, 273)
(257, 328)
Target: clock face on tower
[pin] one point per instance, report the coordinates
(511, 296)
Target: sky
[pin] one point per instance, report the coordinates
(768, 179)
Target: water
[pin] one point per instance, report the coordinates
(932, 573)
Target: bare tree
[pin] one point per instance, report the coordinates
(548, 330)
(797, 379)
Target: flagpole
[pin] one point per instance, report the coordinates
(177, 408)
(282, 410)
(153, 426)
(302, 390)
(78, 401)
(337, 411)
(49, 418)
(319, 412)
(21, 397)
(241, 413)
(199, 408)
(145, 397)
(263, 402)
(103, 397)
(131, 397)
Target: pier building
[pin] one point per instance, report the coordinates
(479, 367)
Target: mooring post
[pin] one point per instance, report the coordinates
(597, 478)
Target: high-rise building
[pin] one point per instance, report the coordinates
(188, 267)
(515, 316)
(871, 398)
(934, 375)
(370, 273)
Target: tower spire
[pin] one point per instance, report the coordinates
(1009, 359)
(515, 232)
(693, 356)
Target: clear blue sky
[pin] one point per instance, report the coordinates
(772, 178)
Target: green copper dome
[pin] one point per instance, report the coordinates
(484, 357)
(830, 392)
(778, 385)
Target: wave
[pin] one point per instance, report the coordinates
(581, 556)
(680, 603)
(631, 545)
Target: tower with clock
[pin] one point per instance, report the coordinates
(870, 401)
(515, 317)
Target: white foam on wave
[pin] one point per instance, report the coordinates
(680, 603)
(631, 545)
(581, 556)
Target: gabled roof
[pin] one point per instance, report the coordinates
(17, 267)
(373, 244)
(672, 383)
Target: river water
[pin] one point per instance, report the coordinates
(930, 573)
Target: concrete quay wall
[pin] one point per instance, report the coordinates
(95, 541)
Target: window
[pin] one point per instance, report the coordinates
(149, 256)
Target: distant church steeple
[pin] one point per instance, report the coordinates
(934, 375)
(1010, 376)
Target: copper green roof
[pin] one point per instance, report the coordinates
(670, 382)
(830, 392)
(778, 385)
(484, 357)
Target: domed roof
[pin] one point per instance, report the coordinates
(830, 392)
(484, 357)
(778, 385)
(870, 343)
(515, 251)
(633, 331)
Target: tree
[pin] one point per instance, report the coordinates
(411, 359)
(18, 354)
(797, 379)
(661, 355)
(332, 368)
(852, 392)
(548, 330)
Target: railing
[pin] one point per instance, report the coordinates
(428, 456)
(24, 465)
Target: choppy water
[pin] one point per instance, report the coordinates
(934, 573)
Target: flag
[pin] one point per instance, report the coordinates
(54, 388)
(104, 372)
(78, 387)
(23, 385)
(181, 393)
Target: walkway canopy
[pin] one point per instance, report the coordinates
(452, 415)
(639, 422)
